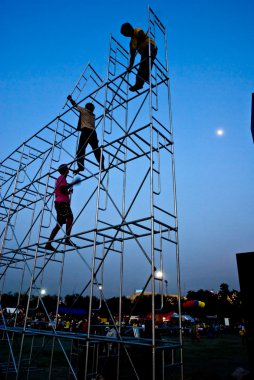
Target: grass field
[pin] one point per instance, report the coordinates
(214, 358)
(208, 359)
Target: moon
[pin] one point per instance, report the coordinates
(220, 132)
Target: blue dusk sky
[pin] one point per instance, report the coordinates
(45, 46)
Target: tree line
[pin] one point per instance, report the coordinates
(224, 303)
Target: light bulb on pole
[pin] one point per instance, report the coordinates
(158, 274)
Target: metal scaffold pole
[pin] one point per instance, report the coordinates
(125, 231)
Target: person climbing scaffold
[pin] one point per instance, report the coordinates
(62, 206)
(86, 125)
(139, 43)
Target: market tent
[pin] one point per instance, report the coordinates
(12, 310)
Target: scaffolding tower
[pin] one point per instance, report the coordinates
(125, 227)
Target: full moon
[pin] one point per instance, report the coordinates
(219, 132)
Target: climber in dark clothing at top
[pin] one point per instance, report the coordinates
(139, 43)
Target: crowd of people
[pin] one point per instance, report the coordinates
(136, 327)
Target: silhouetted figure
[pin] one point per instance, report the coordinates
(140, 43)
(88, 135)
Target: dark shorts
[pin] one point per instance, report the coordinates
(63, 211)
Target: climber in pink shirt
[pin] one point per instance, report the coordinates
(63, 208)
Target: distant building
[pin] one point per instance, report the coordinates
(138, 292)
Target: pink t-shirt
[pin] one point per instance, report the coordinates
(60, 197)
